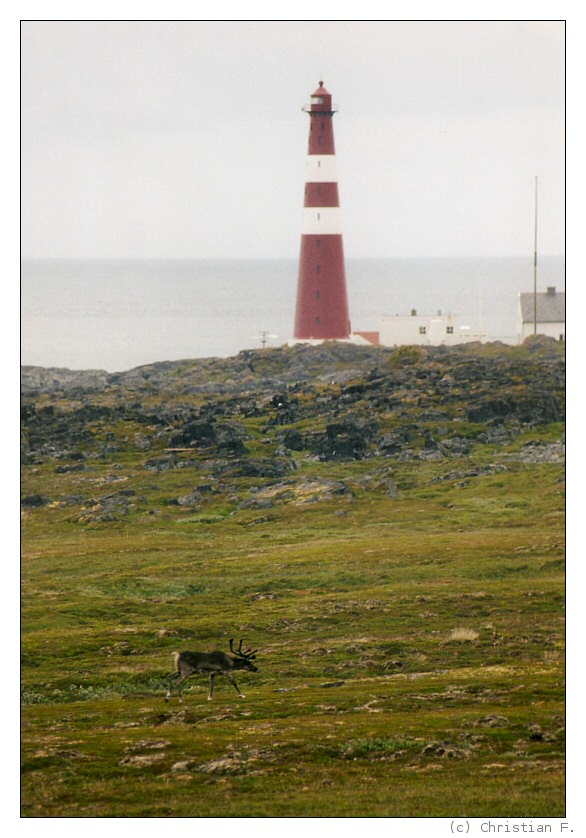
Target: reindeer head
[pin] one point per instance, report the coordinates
(243, 657)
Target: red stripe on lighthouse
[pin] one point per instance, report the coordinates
(321, 195)
(322, 304)
(321, 134)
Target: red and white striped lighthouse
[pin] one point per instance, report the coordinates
(322, 301)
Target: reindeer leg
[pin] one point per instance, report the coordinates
(211, 692)
(180, 680)
(172, 677)
(232, 680)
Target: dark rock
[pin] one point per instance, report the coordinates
(532, 408)
(109, 508)
(456, 446)
(287, 410)
(292, 439)
(260, 468)
(164, 463)
(195, 433)
(349, 440)
(189, 500)
(393, 443)
(225, 439)
(34, 501)
(72, 455)
(70, 467)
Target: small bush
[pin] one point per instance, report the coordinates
(462, 635)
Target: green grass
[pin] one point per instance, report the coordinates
(364, 601)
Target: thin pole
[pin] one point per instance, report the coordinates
(535, 267)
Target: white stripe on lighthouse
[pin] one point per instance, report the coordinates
(324, 220)
(321, 168)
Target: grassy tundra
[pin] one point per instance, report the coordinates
(405, 589)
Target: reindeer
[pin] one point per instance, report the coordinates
(216, 663)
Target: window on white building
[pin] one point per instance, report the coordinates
(422, 330)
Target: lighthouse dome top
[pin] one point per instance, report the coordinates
(321, 99)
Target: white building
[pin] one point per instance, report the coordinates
(424, 330)
(543, 314)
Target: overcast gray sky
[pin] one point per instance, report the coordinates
(187, 139)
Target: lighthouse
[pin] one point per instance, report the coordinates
(322, 302)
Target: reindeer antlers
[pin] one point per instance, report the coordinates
(247, 654)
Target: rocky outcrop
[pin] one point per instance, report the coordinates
(349, 440)
(55, 379)
(225, 439)
(255, 415)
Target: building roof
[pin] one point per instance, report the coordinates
(551, 306)
(371, 337)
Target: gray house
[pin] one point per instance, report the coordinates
(547, 309)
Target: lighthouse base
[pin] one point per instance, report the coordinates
(356, 338)
(321, 311)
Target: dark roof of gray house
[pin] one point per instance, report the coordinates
(551, 306)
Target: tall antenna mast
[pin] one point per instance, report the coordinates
(535, 266)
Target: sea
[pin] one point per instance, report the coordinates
(115, 315)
